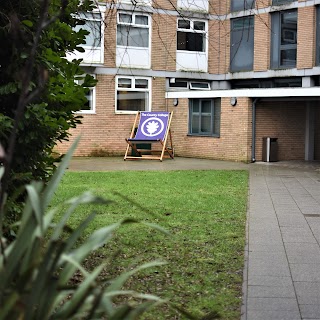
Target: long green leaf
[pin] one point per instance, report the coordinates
(57, 176)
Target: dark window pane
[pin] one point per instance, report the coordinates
(190, 41)
(288, 57)
(242, 43)
(195, 124)
(124, 83)
(239, 5)
(141, 83)
(132, 101)
(289, 28)
(199, 25)
(183, 24)
(280, 2)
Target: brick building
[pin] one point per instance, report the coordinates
(233, 72)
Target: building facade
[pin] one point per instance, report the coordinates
(232, 71)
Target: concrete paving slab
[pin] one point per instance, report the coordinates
(308, 292)
(305, 272)
(303, 252)
(310, 311)
(271, 292)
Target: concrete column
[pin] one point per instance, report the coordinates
(309, 136)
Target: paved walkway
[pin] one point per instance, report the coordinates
(283, 261)
(282, 272)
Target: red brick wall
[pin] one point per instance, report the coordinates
(234, 142)
(285, 121)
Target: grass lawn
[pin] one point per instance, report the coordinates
(205, 214)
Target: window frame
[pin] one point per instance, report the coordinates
(276, 36)
(214, 121)
(89, 16)
(133, 24)
(92, 101)
(246, 29)
(194, 31)
(133, 89)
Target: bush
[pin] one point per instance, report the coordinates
(38, 266)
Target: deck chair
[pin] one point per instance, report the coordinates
(153, 127)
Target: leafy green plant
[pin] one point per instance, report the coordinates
(38, 266)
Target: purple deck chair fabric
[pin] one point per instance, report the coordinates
(152, 126)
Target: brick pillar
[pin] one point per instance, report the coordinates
(164, 42)
(262, 42)
(306, 37)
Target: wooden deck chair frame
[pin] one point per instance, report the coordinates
(166, 142)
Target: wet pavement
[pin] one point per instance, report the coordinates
(282, 265)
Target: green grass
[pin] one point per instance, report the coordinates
(205, 213)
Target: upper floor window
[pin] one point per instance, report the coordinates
(191, 35)
(280, 2)
(284, 39)
(133, 94)
(133, 30)
(318, 37)
(204, 117)
(92, 24)
(240, 5)
(242, 40)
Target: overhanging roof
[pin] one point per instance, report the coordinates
(250, 93)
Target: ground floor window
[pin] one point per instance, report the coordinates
(204, 117)
(132, 94)
(90, 105)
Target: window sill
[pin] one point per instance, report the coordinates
(203, 135)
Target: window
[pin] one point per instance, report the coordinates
(133, 94)
(204, 117)
(239, 5)
(93, 26)
(284, 39)
(133, 30)
(241, 49)
(90, 106)
(280, 2)
(191, 35)
(318, 37)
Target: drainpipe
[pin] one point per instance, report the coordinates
(253, 148)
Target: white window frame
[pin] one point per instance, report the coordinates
(134, 25)
(192, 30)
(92, 101)
(133, 79)
(92, 54)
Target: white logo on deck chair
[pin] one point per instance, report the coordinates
(152, 126)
